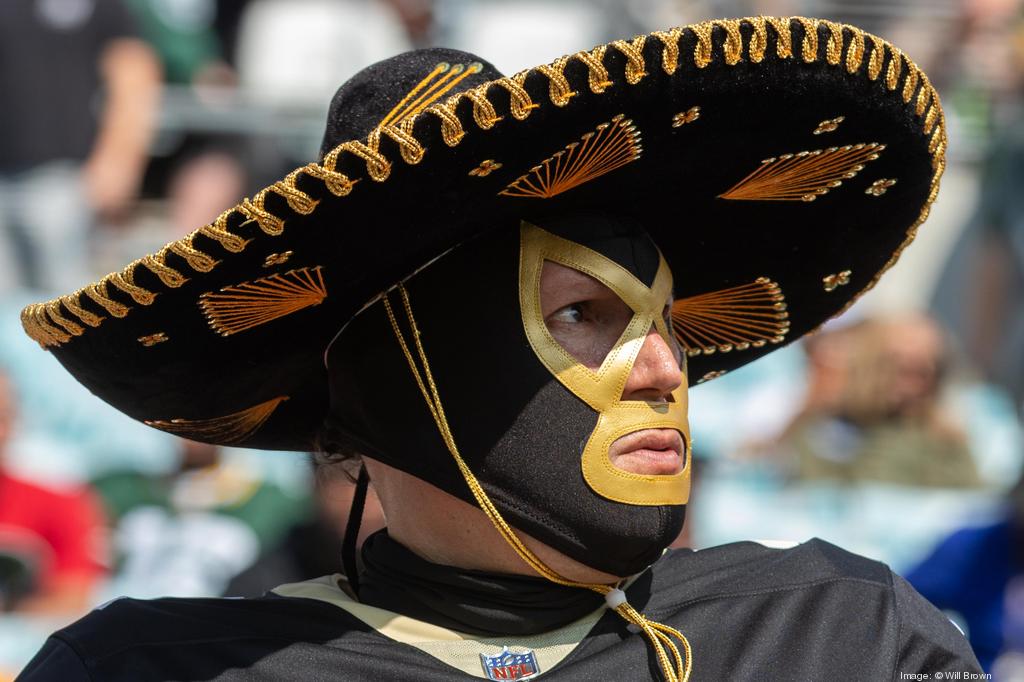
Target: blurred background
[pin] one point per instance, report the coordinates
(895, 432)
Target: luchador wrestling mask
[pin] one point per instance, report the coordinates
(534, 401)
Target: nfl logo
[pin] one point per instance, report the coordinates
(507, 665)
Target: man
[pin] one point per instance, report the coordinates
(502, 327)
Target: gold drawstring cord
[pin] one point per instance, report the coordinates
(676, 669)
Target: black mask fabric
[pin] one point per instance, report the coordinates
(521, 432)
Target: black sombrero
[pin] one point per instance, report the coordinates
(780, 164)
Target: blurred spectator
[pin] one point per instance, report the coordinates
(296, 53)
(872, 412)
(52, 547)
(189, 533)
(979, 296)
(978, 572)
(65, 161)
(183, 33)
(205, 182)
(312, 548)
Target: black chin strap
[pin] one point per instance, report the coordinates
(355, 518)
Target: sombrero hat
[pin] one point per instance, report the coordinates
(781, 165)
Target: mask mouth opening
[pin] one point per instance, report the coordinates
(649, 452)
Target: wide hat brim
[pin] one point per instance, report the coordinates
(781, 165)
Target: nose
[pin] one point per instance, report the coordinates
(656, 372)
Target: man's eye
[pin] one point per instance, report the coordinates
(570, 314)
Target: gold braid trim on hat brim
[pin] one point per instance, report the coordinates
(55, 322)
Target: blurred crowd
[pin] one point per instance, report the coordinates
(894, 431)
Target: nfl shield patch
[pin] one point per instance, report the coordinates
(508, 665)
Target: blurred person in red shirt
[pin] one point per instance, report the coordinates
(51, 541)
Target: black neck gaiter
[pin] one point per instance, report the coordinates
(474, 602)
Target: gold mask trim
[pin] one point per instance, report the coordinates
(602, 389)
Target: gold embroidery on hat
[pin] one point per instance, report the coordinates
(758, 39)
(840, 279)
(804, 176)
(152, 339)
(597, 74)
(834, 46)
(746, 316)
(684, 117)
(244, 306)
(559, 90)
(829, 125)
(855, 52)
(712, 375)
(520, 105)
(669, 48)
(486, 167)
(611, 145)
(783, 36)
(809, 48)
(437, 83)
(226, 430)
(277, 259)
(880, 187)
(633, 50)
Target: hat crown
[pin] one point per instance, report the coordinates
(397, 88)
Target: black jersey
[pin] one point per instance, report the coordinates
(812, 612)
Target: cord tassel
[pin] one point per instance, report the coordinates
(659, 635)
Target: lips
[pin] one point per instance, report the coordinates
(651, 452)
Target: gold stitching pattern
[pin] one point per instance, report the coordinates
(892, 74)
(451, 127)
(834, 46)
(483, 111)
(702, 52)
(152, 339)
(758, 40)
(855, 53)
(829, 125)
(38, 326)
(611, 145)
(739, 318)
(634, 53)
(486, 167)
(803, 176)
(237, 308)
(441, 80)
(684, 117)
(670, 48)
(98, 293)
(733, 47)
(227, 430)
(597, 75)
(839, 279)
(157, 265)
(712, 375)
(71, 303)
(521, 104)
(809, 50)
(927, 108)
(876, 58)
(53, 310)
(559, 90)
(783, 37)
(275, 259)
(125, 281)
(880, 187)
